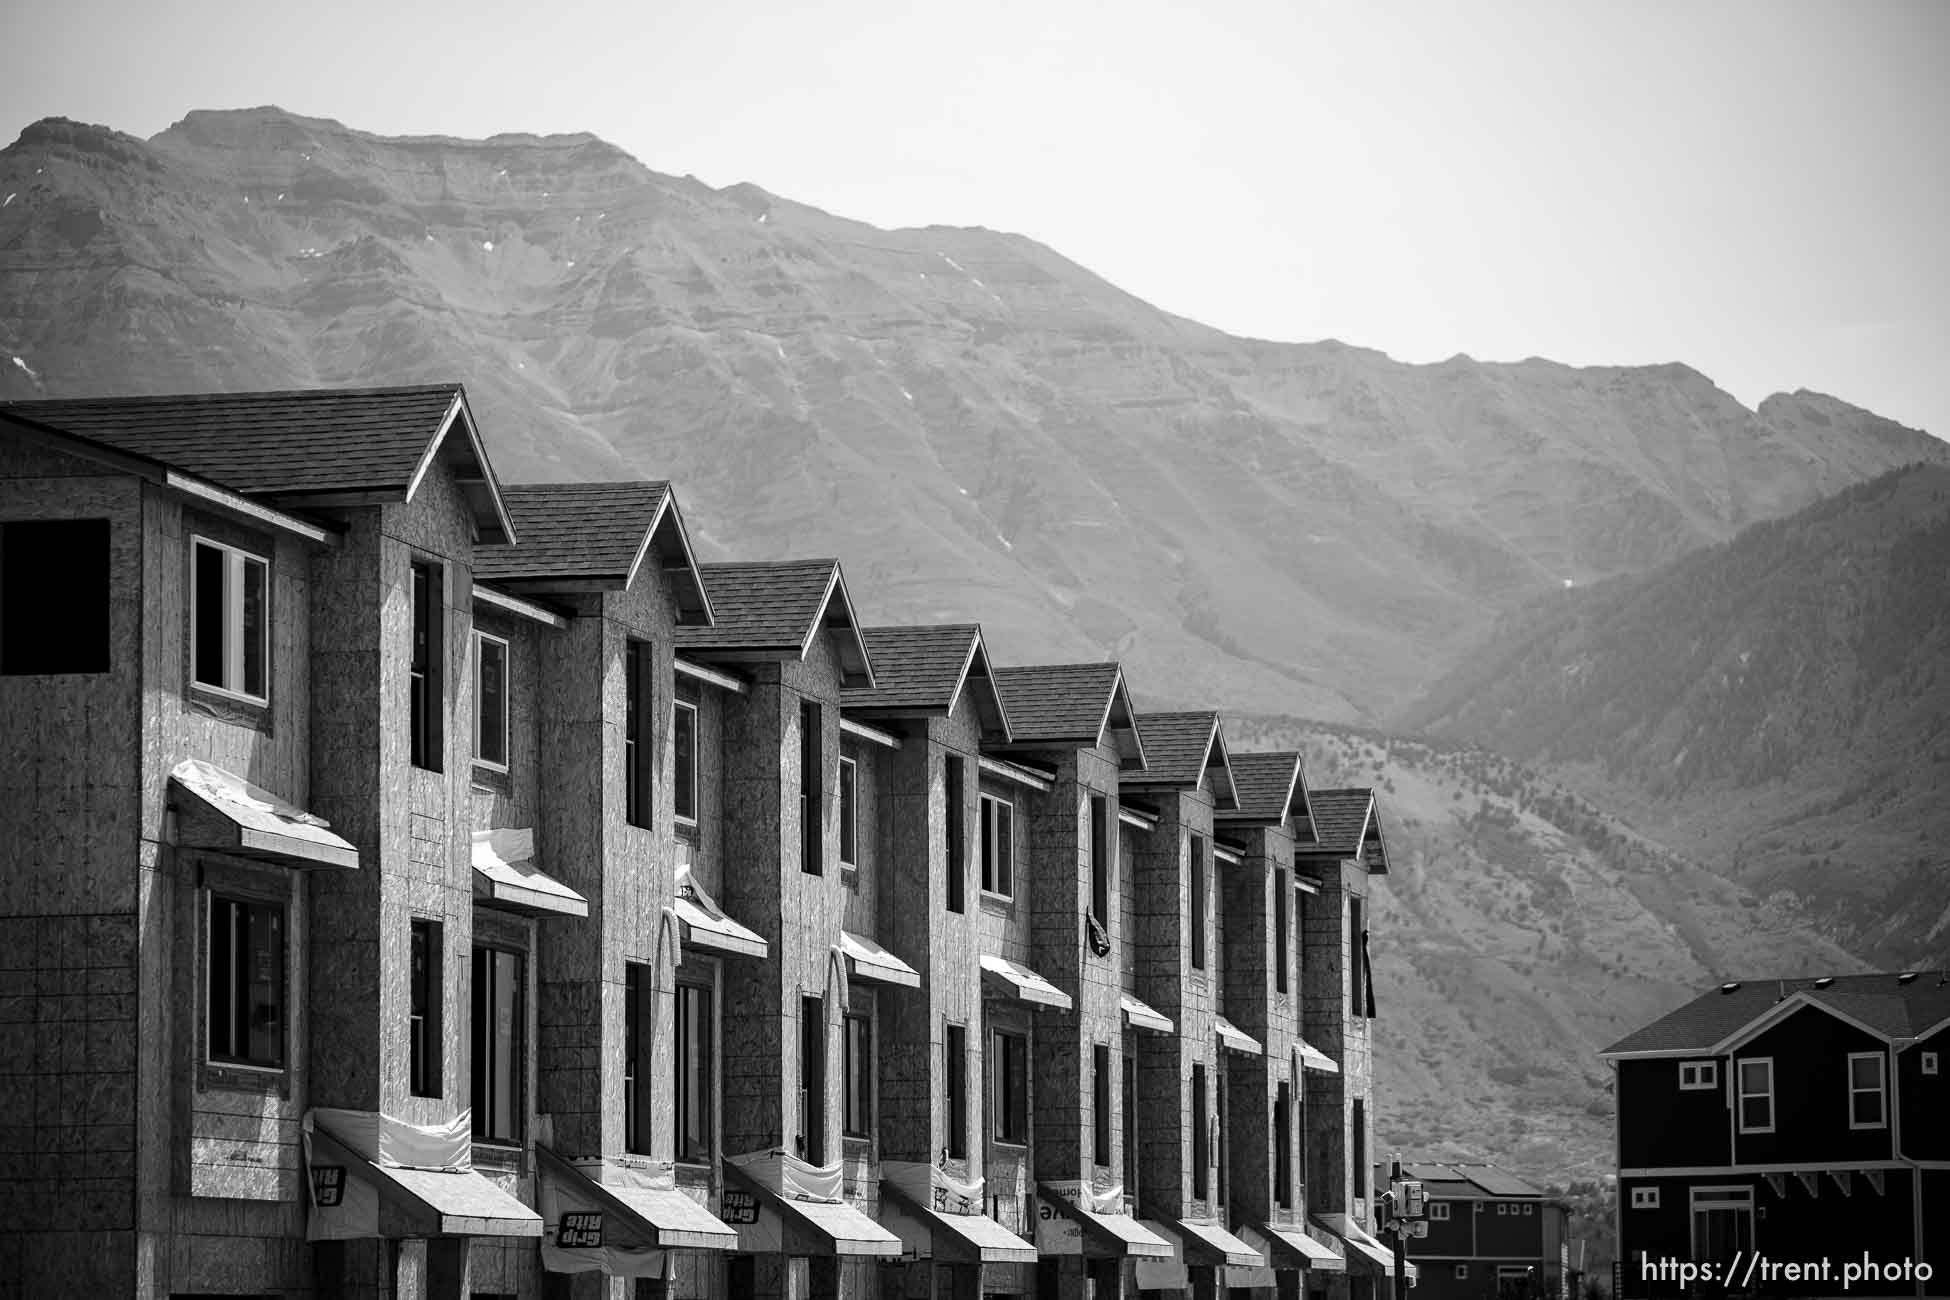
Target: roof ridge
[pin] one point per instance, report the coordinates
(721, 565)
(584, 485)
(242, 395)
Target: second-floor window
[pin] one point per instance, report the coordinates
(639, 996)
(957, 831)
(423, 1010)
(1100, 851)
(1283, 1146)
(1009, 1094)
(1280, 943)
(694, 1102)
(491, 701)
(1100, 1153)
(812, 1080)
(1198, 902)
(1867, 1100)
(497, 1057)
(856, 1105)
(812, 792)
(1756, 1099)
(1201, 1182)
(683, 750)
(849, 813)
(54, 596)
(998, 847)
(246, 982)
(230, 629)
(954, 1053)
(639, 735)
(426, 697)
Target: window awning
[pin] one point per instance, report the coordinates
(1361, 1247)
(1210, 1244)
(1289, 1246)
(361, 1183)
(608, 1217)
(704, 924)
(1019, 982)
(768, 1222)
(1232, 1036)
(867, 960)
(505, 875)
(1139, 1016)
(1312, 1058)
(928, 1233)
(1077, 1230)
(230, 815)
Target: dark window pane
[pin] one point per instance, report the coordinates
(685, 756)
(255, 626)
(210, 606)
(955, 1064)
(957, 833)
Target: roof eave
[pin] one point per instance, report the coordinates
(822, 619)
(486, 523)
(670, 515)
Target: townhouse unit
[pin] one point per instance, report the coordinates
(1794, 1121)
(1491, 1235)
(417, 885)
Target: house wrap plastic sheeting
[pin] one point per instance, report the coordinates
(353, 1211)
(792, 1177)
(924, 1184)
(561, 1196)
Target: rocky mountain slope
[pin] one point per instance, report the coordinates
(1779, 703)
(1521, 929)
(981, 427)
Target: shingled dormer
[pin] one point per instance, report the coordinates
(1186, 751)
(1084, 704)
(1347, 828)
(1271, 788)
(924, 671)
(306, 449)
(775, 609)
(597, 537)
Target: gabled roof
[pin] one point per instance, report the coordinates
(770, 608)
(1885, 1005)
(1271, 788)
(1347, 827)
(925, 669)
(1071, 703)
(1182, 748)
(297, 447)
(576, 535)
(1449, 1180)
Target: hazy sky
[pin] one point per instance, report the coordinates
(1761, 190)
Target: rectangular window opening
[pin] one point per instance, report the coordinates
(230, 630)
(812, 1080)
(998, 846)
(426, 700)
(425, 990)
(1201, 1157)
(1198, 902)
(849, 813)
(694, 1100)
(1100, 851)
(1358, 1144)
(1867, 1095)
(639, 1103)
(955, 1065)
(1100, 1152)
(246, 983)
(1283, 1146)
(957, 831)
(639, 734)
(812, 793)
(491, 701)
(684, 761)
(1280, 940)
(1011, 1087)
(499, 1020)
(1755, 1104)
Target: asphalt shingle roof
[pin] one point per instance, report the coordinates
(1899, 1010)
(270, 444)
(1262, 780)
(1056, 701)
(573, 529)
(1339, 816)
(1175, 746)
(762, 605)
(914, 667)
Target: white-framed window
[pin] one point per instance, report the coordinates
(230, 620)
(491, 701)
(1868, 1096)
(1462, 1272)
(244, 982)
(1698, 1076)
(1438, 1211)
(1723, 1222)
(1755, 1104)
(849, 813)
(1528, 1208)
(1645, 1198)
(1502, 1207)
(998, 846)
(1929, 1062)
(683, 736)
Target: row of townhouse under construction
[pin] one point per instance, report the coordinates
(414, 885)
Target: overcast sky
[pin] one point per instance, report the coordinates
(1761, 190)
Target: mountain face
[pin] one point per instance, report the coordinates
(1780, 702)
(980, 427)
(1520, 929)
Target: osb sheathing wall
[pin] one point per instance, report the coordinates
(1254, 1004)
(73, 865)
(1055, 842)
(1162, 882)
(220, 1169)
(1332, 1020)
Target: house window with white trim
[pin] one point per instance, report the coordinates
(1438, 1211)
(1929, 1062)
(1699, 1076)
(683, 747)
(1756, 1101)
(246, 982)
(1868, 1098)
(491, 701)
(998, 847)
(1462, 1272)
(849, 813)
(1645, 1198)
(230, 627)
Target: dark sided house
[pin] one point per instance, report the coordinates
(1491, 1235)
(1801, 1119)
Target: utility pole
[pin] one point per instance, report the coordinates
(1402, 1210)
